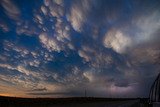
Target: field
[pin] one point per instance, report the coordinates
(72, 102)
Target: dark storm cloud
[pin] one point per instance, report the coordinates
(66, 94)
(50, 93)
(39, 89)
(61, 48)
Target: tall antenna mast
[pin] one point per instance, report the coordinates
(85, 93)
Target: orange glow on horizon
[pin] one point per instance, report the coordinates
(13, 95)
(7, 95)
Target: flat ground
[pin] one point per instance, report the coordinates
(71, 102)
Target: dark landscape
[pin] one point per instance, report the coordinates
(73, 102)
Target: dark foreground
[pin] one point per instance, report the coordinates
(72, 102)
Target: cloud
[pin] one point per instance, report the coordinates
(84, 55)
(145, 54)
(78, 14)
(10, 46)
(148, 27)
(108, 84)
(29, 80)
(44, 10)
(27, 28)
(4, 26)
(24, 56)
(34, 63)
(57, 93)
(122, 83)
(62, 31)
(117, 40)
(11, 9)
(39, 90)
(7, 66)
(144, 48)
(3, 58)
(10, 90)
(89, 76)
(46, 2)
(56, 8)
(116, 90)
(50, 43)
(25, 71)
(143, 29)
(59, 2)
(60, 38)
(39, 19)
(19, 68)
(96, 57)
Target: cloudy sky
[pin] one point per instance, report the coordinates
(60, 48)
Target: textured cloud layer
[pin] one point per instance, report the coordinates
(59, 48)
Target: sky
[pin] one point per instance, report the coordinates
(60, 48)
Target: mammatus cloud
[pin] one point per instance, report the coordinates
(4, 26)
(11, 9)
(60, 39)
(50, 43)
(56, 8)
(26, 28)
(145, 31)
(44, 10)
(14, 13)
(117, 40)
(95, 57)
(26, 57)
(78, 14)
